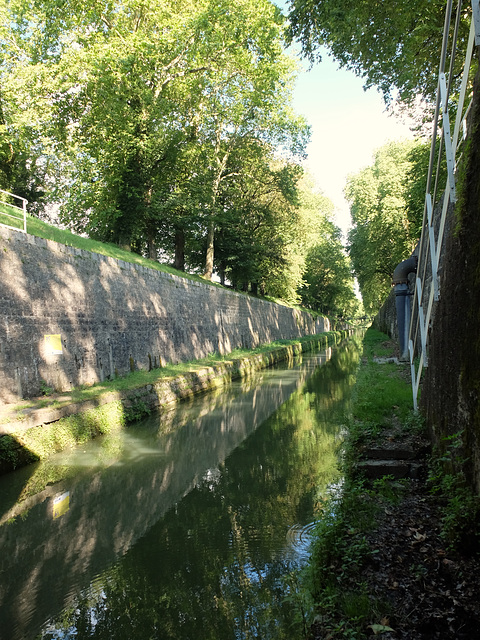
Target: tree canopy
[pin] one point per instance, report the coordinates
(166, 128)
(328, 285)
(386, 210)
(394, 46)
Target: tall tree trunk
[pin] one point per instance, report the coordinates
(179, 249)
(210, 250)
(152, 248)
(221, 164)
(130, 202)
(151, 228)
(222, 275)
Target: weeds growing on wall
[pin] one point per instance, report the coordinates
(73, 430)
(41, 441)
(461, 510)
(143, 377)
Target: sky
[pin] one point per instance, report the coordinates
(348, 125)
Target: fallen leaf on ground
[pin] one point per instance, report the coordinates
(379, 628)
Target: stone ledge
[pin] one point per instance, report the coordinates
(376, 469)
(34, 417)
(131, 404)
(395, 452)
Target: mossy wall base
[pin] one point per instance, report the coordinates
(450, 396)
(48, 430)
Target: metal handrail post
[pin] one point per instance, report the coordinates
(23, 209)
(430, 247)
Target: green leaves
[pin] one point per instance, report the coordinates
(167, 128)
(380, 628)
(394, 46)
(382, 235)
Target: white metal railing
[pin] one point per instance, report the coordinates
(448, 147)
(10, 211)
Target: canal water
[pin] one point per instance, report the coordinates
(191, 525)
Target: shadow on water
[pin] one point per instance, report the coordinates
(185, 526)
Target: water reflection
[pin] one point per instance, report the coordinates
(177, 528)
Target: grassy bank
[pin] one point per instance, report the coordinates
(42, 229)
(389, 551)
(35, 429)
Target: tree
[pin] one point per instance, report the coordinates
(328, 276)
(258, 227)
(392, 45)
(134, 94)
(24, 167)
(416, 184)
(245, 102)
(327, 284)
(381, 236)
(96, 79)
(23, 170)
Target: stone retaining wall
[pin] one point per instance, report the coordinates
(70, 317)
(450, 397)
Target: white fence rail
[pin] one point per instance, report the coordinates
(13, 211)
(446, 147)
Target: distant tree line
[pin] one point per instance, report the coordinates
(395, 47)
(386, 205)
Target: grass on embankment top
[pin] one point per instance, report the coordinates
(11, 216)
(41, 229)
(47, 231)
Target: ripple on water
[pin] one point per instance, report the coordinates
(299, 538)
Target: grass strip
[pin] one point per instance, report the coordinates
(392, 551)
(141, 378)
(382, 400)
(41, 229)
(11, 216)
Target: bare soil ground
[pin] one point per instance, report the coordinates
(432, 592)
(428, 591)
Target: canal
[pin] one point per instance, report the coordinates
(191, 525)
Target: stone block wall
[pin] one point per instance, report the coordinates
(450, 396)
(70, 317)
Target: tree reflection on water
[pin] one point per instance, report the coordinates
(218, 563)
